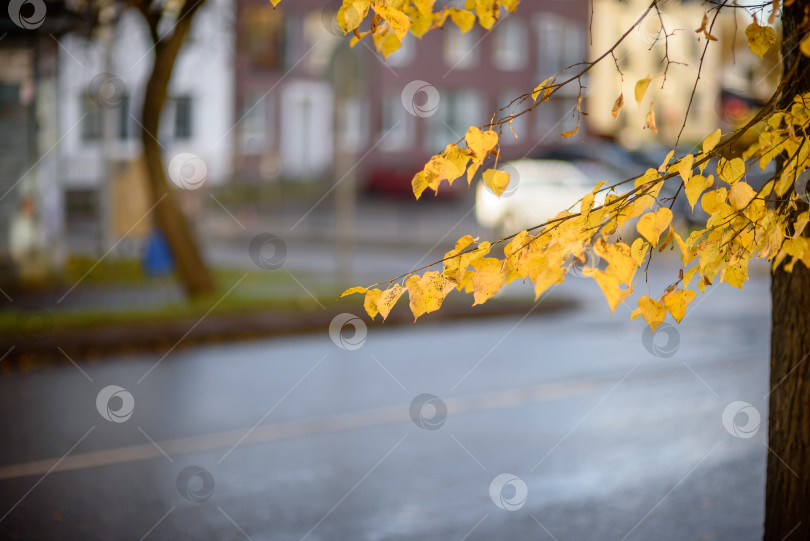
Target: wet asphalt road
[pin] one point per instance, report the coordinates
(299, 439)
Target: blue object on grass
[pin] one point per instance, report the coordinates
(157, 259)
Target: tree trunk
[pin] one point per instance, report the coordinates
(787, 491)
(787, 494)
(194, 273)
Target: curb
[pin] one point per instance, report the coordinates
(89, 345)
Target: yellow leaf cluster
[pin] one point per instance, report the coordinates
(391, 20)
(451, 164)
(741, 225)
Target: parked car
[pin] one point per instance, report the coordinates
(395, 182)
(538, 191)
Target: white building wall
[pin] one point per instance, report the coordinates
(203, 71)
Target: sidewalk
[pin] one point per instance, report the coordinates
(39, 341)
(84, 319)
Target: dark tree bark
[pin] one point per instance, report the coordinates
(194, 273)
(787, 492)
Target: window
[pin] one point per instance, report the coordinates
(460, 51)
(510, 45)
(396, 121)
(404, 55)
(458, 111)
(555, 117)
(295, 47)
(264, 35)
(253, 133)
(319, 42)
(183, 117)
(352, 126)
(126, 130)
(560, 43)
(92, 120)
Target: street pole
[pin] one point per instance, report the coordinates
(104, 195)
(345, 204)
(347, 82)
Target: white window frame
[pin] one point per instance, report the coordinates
(509, 45)
(460, 51)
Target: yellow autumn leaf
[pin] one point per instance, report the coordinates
(686, 254)
(419, 183)
(275, 2)
(351, 14)
(804, 45)
(488, 279)
(736, 274)
(495, 180)
(639, 250)
(689, 275)
(740, 195)
(487, 11)
(428, 292)
(388, 299)
(730, 171)
(397, 20)
(389, 43)
(663, 167)
(685, 166)
(617, 106)
(425, 7)
(353, 290)
(421, 22)
(457, 260)
(357, 37)
(610, 286)
(677, 301)
(635, 209)
(370, 302)
(463, 19)
(652, 224)
(760, 38)
(570, 133)
(464, 242)
(543, 87)
(622, 264)
(650, 118)
(587, 204)
(652, 311)
(545, 276)
(480, 143)
(712, 200)
(695, 186)
(641, 88)
(650, 175)
(711, 141)
(456, 160)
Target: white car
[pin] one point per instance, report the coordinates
(538, 190)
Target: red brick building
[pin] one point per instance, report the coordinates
(293, 121)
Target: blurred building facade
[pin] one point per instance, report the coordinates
(728, 69)
(289, 65)
(31, 209)
(69, 123)
(102, 88)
